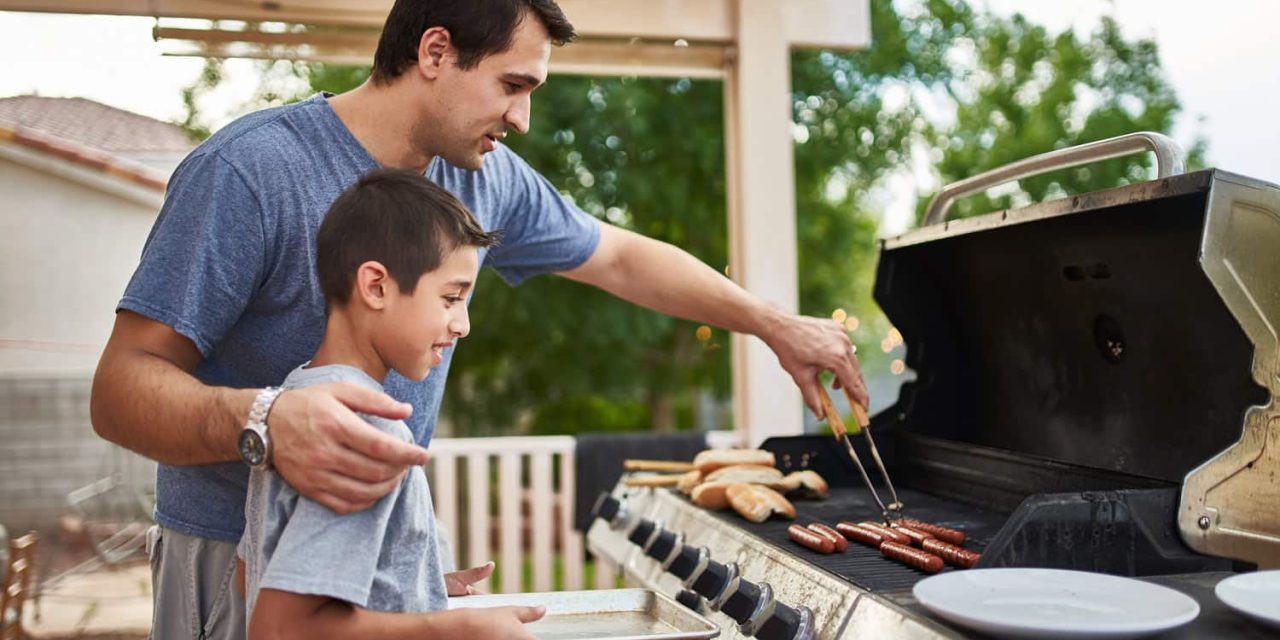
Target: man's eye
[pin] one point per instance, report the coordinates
(512, 87)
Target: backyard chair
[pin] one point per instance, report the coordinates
(22, 555)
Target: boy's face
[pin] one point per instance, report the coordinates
(477, 106)
(415, 330)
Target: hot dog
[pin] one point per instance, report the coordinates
(916, 536)
(954, 536)
(810, 539)
(887, 533)
(836, 538)
(954, 555)
(916, 558)
(860, 534)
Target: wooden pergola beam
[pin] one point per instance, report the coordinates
(356, 47)
(833, 24)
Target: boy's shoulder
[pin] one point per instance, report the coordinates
(307, 376)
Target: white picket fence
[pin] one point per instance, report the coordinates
(461, 471)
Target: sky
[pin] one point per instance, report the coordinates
(1221, 60)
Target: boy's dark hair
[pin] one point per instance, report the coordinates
(398, 218)
(479, 28)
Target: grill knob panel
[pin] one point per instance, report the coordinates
(662, 546)
(641, 533)
(786, 623)
(689, 599)
(684, 563)
(712, 580)
(606, 507)
(742, 603)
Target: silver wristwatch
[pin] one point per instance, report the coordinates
(255, 446)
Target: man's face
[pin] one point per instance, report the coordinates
(417, 329)
(477, 106)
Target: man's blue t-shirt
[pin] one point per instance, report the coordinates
(230, 264)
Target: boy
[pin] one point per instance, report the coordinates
(396, 256)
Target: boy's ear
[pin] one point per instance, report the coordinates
(373, 285)
(433, 48)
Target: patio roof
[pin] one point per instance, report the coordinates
(745, 42)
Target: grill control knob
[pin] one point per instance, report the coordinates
(662, 546)
(743, 602)
(684, 563)
(787, 624)
(606, 507)
(641, 534)
(713, 579)
(689, 599)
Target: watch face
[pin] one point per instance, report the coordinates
(252, 450)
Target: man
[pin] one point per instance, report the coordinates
(224, 302)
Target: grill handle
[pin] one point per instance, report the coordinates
(1170, 161)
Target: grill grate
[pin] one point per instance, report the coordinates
(860, 564)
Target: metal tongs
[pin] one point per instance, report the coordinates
(863, 424)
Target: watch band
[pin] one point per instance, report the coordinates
(262, 405)
(255, 429)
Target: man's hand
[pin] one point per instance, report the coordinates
(808, 346)
(331, 455)
(458, 583)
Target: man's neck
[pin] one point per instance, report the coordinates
(344, 343)
(383, 119)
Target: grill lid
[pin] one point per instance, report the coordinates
(1130, 330)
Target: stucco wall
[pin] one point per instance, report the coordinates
(66, 252)
(67, 249)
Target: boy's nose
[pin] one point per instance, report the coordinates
(461, 324)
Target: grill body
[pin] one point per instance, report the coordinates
(1095, 385)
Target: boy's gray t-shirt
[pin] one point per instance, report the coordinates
(385, 558)
(230, 264)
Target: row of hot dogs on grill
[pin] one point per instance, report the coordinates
(747, 481)
(914, 543)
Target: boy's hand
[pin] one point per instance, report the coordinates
(331, 455)
(458, 583)
(502, 622)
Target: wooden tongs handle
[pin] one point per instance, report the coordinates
(833, 416)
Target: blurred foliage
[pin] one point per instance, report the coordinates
(953, 88)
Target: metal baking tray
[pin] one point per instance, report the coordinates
(621, 614)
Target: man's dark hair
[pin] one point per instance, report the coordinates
(398, 218)
(478, 28)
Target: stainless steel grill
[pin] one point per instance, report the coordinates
(1096, 385)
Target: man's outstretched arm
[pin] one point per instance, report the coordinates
(664, 278)
(146, 399)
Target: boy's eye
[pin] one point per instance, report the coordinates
(512, 87)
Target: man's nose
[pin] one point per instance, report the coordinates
(517, 116)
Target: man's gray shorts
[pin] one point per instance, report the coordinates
(194, 590)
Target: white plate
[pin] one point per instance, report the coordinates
(1052, 603)
(1254, 594)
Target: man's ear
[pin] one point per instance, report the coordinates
(434, 49)
(373, 285)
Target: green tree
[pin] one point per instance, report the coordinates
(969, 89)
(1020, 90)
